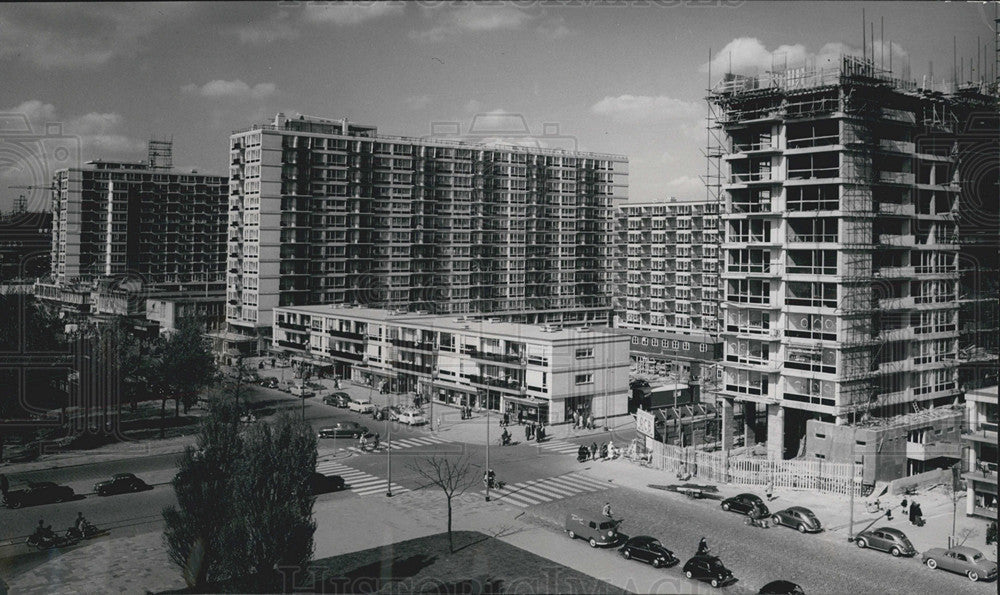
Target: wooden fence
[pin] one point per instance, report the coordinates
(831, 478)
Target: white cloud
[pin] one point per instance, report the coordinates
(350, 13)
(416, 102)
(220, 89)
(643, 107)
(98, 133)
(82, 35)
(555, 28)
(747, 55)
(264, 31)
(474, 18)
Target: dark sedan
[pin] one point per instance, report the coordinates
(341, 400)
(708, 569)
(343, 429)
(745, 504)
(781, 588)
(324, 484)
(121, 483)
(799, 518)
(42, 492)
(649, 550)
(886, 539)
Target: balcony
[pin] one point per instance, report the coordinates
(890, 272)
(888, 239)
(933, 450)
(746, 178)
(496, 382)
(421, 345)
(292, 327)
(987, 432)
(492, 357)
(896, 334)
(892, 208)
(896, 303)
(291, 345)
(411, 367)
(346, 335)
(896, 177)
(356, 357)
(897, 146)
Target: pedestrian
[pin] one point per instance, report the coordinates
(4, 485)
(520, 417)
(769, 490)
(593, 451)
(702, 547)
(606, 511)
(527, 432)
(530, 430)
(575, 417)
(888, 514)
(903, 505)
(272, 362)
(590, 421)
(918, 516)
(506, 419)
(912, 512)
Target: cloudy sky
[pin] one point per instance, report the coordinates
(96, 81)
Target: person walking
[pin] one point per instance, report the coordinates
(769, 490)
(520, 417)
(593, 451)
(590, 421)
(527, 432)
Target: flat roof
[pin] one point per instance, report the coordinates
(452, 323)
(695, 336)
(669, 386)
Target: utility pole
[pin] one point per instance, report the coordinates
(388, 451)
(487, 446)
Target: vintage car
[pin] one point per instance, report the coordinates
(596, 529)
(798, 517)
(708, 569)
(886, 539)
(963, 560)
(744, 504)
(649, 550)
(121, 483)
(39, 492)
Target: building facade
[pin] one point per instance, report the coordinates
(840, 246)
(546, 373)
(137, 227)
(325, 212)
(980, 438)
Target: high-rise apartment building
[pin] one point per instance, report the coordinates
(672, 286)
(328, 212)
(840, 246)
(138, 225)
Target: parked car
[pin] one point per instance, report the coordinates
(364, 406)
(269, 382)
(963, 560)
(886, 539)
(394, 412)
(324, 484)
(302, 391)
(343, 429)
(781, 588)
(413, 418)
(596, 529)
(709, 569)
(337, 400)
(798, 517)
(649, 550)
(38, 492)
(121, 483)
(744, 504)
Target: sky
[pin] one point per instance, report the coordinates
(96, 81)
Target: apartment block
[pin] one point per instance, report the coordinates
(544, 372)
(841, 189)
(326, 212)
(980, 439)
(142, 228)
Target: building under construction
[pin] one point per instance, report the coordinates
(841, 188)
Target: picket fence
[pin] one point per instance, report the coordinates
(831, 478)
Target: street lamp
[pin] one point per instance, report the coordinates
(481, 393)
(388, 450)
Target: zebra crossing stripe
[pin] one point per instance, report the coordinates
(585, 483)
(515, 497)
(561, 447)
(547, 489)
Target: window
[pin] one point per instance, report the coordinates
(656, 343)
(674, 344)
(584, 353)
(584, 379)
(702, 348)
(686, 346)
(645, 340)
(635, 340)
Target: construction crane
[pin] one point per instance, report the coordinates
(21, 202)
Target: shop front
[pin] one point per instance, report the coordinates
(531, 410)
(378, 379)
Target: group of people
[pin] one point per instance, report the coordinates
(605, 452)
(369, 441)
(583, 420)
(45, 532)
(466, 412)
(916, 514)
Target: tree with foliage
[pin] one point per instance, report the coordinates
(29, 338)
(454, 477)
(182, 365)
(196, 530)
(244, 501)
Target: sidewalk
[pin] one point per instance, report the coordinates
(833, 510)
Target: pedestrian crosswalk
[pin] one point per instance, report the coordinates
(538, 491)
(423, 441)
(359, 482)
(560, 446)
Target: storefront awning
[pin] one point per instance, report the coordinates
(313, 362)
(526, 402)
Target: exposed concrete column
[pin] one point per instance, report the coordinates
(727, 426)
(842, 420)
(775, 432)
(749, 423)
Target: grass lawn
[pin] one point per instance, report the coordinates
(481, 564)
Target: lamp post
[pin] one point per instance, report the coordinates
(481, 395)
(388, 452)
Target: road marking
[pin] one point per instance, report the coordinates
(548, 489)
(560, 447)
(359, 482)
(401, 444)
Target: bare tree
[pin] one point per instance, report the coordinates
(454, 477)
